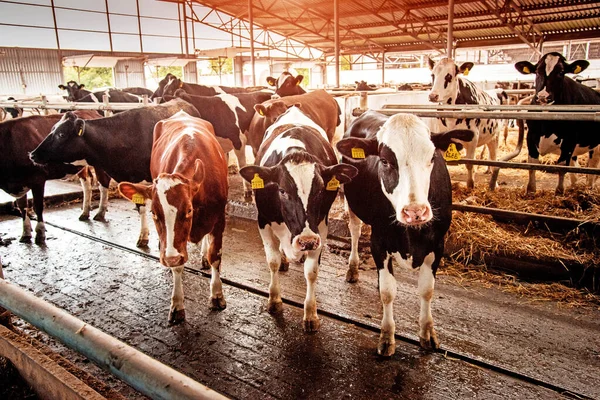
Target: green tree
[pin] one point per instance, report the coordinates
(346, 63)
(225, 65)
(91, 77)
(160, 72)
(306, 73)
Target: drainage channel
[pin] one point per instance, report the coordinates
(448, 353)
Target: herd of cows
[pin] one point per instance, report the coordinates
(393, 174)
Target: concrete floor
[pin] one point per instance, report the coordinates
(244, 352)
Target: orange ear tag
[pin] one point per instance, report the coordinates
(452, 154)
(577, 70)
(333, 184)
(138, 199)
(357, 152)
(526, 70)
(257, 182)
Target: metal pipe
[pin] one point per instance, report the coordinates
(251, 20)
(137, 4)
(336, 30)
(531, 167)
(108, 25)
(144, 373)
(73, 106)
(185, 30)
(450, 38)
(504, 107)
(539, 116)
(383, 68)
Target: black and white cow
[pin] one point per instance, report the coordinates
(286, 85)
(78, 93)
(450, 88)
(403, 191)
(121, 144)
(296, 179)
(170, 84)
(569, 139)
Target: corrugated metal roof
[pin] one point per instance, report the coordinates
(418, 24)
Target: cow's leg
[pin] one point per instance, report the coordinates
(275, 305)
(38, 206)
(241, 158)
(560, 187)
(427, 335)
(217, 301)
(85, 178)
(22, 204)
(285, 263)
(144, 231)
(594, 161)
(177, 311)
(355, 225)
(531, 185)
(204, 250)
(103, 183)
(492, 146)
(471, 148)
(573, 177)
(311, 271)
(387, 292)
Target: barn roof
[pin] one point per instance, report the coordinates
(416, 25)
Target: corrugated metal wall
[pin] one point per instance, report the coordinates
(129, 73)
(29, 71)
(190, 72)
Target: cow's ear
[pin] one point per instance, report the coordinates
(525, 67)
(80, 126)
(431, 63)
(62, 87)
(442, 140)
(271, 81)
(199, 171)
(357, 148)
(577, 66)
(338, 175)
(465, 68)
(135, 192)
(81, 86)
(258, 176)
(299, 79)
(260, 109)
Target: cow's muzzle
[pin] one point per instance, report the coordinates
(434, 97)
(416, 214)
(306, 242)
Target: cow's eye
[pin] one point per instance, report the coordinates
(60, 135)
(282, 192)
(384, 162)
(189, 213)
(154, 216)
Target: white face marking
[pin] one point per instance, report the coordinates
(303, 175)
(170, 212)
(280, 145)
(282, 78)
(294, 116)
(551, 62)
(408, 137)
(440, 70)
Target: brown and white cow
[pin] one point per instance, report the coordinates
(286, 85)
(189, 195)
(296, 179)
(319, 106)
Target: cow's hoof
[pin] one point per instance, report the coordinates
(233, 169)
(470, 185)
(25, 239)
(386, 347)
(275, 307)
(218, 303)
(99, 217)
(204, 264)
(352, 276)
(432, 344)
(40, 240)
(142, 243)
(176, 316)
(311, 325)
(559, 192)
(84, 217)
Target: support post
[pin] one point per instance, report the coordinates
(450, 38)
(185, 31)
(383, 69)
(336, 27)
(251, 18)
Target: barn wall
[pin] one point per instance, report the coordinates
(129, 73)
(29, 71)
(190, 72)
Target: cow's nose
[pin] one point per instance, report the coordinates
(433, 97)
(308, 243)
(174, 261)
(416, 214)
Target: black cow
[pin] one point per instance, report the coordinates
(138, 91)
(13, 111)
(566, 138)
(364, 86)
(18, 174)
(230, 115)
(121, 144)
(296, 179)
(403, 191)
(286, 85)
(170, 84)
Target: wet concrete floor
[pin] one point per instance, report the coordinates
(244, 352)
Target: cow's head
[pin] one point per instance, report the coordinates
(550, 74)
(73, 90)
(286, 85)
(64, 143)
(303, 190)
(271, 110)
(406, 154)
(444, 75)
(362, 85)
(172, 210)
(159, 92)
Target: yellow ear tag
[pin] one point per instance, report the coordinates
(297, 83)
(466, 72)
(260, 111)
(80, 133)
(577, 70)
(257, 182)
(452, 154)
(138, 199)
(526, 70)
(358, 152)
(333, 184)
